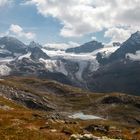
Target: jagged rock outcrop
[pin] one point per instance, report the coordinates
(37, 53)
(26, 98)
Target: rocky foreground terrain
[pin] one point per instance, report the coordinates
(38, 109)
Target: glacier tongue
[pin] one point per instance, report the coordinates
(82, 66)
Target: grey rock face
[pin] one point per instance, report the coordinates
(37, 53)
(13, 45)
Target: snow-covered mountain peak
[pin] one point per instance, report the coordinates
(116, 44)
(136, 37)
(33, 44)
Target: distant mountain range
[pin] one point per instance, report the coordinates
(92, 66)
(86, 48)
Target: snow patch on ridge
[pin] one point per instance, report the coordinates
(25, 56)
(134, 57)
(4, 70)
(6, 60)
(106, 51)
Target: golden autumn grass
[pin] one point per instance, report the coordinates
(21, 123)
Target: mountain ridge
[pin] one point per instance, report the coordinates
(86, 48)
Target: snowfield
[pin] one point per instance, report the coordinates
(106, 51)
(84, 60)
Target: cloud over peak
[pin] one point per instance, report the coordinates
(61, 46)
(18, 31)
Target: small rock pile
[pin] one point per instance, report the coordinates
(83, 137)
(5, 107)
(89, 137)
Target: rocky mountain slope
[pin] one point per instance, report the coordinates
(120, 71)
(12, 45)
(130, 46)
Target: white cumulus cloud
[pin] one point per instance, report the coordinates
(81, 17)
(117, 34)
(18, 31)
(61, 46)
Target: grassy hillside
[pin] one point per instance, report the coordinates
(38, 109)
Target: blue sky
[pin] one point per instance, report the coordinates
(46, 29)
(48, 21)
